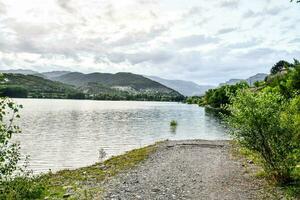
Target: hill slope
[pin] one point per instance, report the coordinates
(125, 82)
(187, 88)
(36, 86)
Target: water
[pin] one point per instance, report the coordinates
(67, 134)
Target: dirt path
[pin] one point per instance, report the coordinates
(187, 170)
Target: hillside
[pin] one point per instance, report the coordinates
(187, 88)
(35, 86)
(125, 82)
(120, 86)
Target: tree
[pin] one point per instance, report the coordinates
(9, 151)
(267, 124)
(280, 66)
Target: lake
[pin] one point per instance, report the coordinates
(67, 134)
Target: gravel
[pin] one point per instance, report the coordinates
(194, 169)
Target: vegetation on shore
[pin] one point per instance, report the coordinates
(265, 120)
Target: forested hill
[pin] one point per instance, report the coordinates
(122, 80)
(20, 85)
(120, 86)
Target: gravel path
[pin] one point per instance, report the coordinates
(193, 169)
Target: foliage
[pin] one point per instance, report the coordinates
(259, 121)
(13, 92)
(220, 97)
(9, 152)
(173, 123)
(21, 188)
(288, 84)
(280, 66)
(195, 100)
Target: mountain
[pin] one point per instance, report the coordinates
(126, 82)
(120, 86)
(54, 74)
(251, 80)
(187, 88)
(258, 77)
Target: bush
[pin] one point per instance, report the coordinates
(173, 123)
(21, 188)
(259, 121)
(9, 152)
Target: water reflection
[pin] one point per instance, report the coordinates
(59, 134)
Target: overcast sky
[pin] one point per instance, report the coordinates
(204, 41)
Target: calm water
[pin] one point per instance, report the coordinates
(60, 134)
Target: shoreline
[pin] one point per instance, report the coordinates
(184, 169)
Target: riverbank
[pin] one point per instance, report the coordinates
(167, 170)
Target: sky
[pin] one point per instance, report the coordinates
(207, 42)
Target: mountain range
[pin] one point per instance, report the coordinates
(119, 86)
(128, 84)
(187, 88)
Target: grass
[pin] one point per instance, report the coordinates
(85, 183)
(290, 191)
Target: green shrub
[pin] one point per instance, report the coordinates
(21, 188)
(259, 121)
(9, 152)
(173, 123)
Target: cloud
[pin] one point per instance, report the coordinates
(65, 5)
(246, 44)
(2, 8)
(195, 40)
(205, 42)
(230, 4)
(297, 40)
(273, 11)
(226, 30)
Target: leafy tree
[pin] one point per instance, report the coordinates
(260, 122)
(280, 66)
(9, 152)
(220, 97)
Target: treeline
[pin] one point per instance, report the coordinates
(20, 92)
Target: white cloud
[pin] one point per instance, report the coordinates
(204, 41)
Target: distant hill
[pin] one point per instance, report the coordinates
(35, 86)
(251, 80)
(126, 82)
(187, 88)
(120, 86)
(19, 71)
(54, 74)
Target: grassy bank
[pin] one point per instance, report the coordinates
(83, 183)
